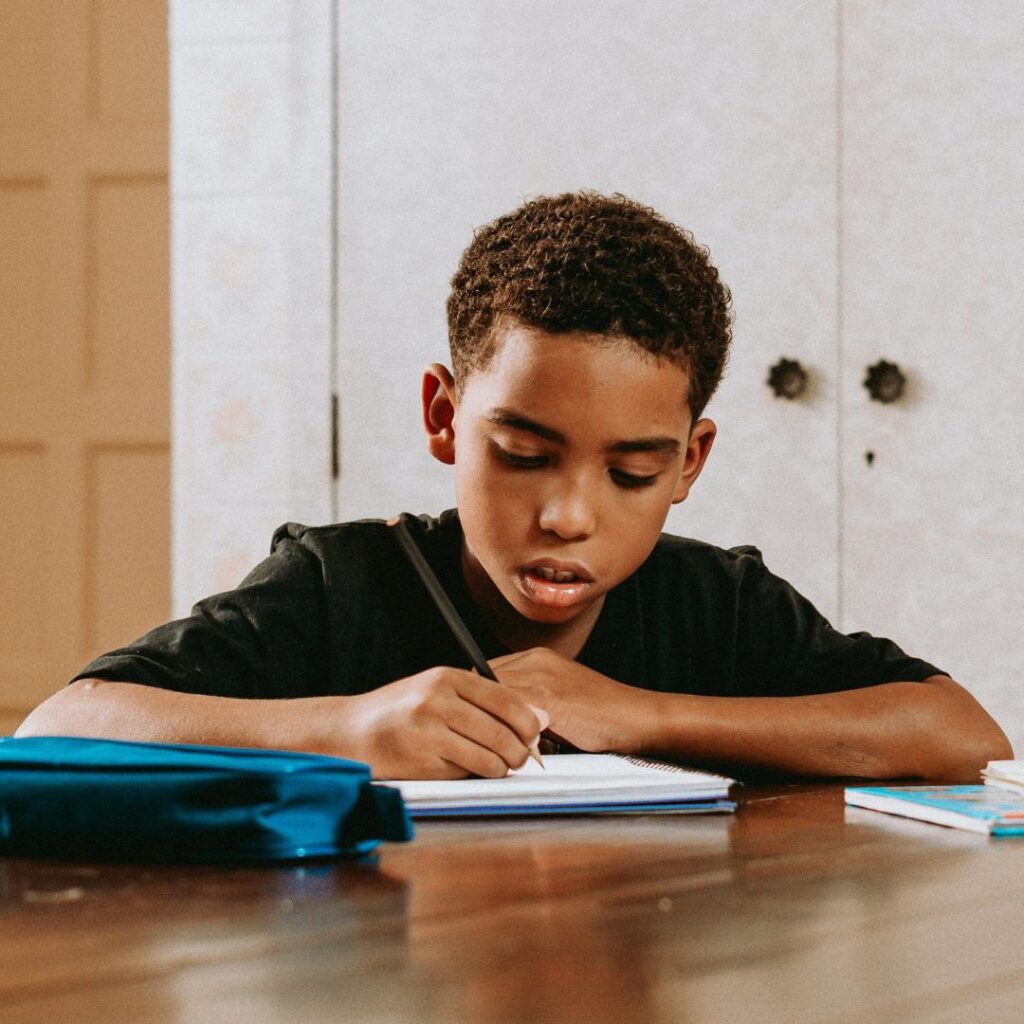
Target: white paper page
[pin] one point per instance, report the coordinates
(569, 777)
(1011, 771)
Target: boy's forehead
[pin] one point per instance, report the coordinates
(579, 373)
(524, 348)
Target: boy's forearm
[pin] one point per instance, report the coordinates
(129, 711)
(929, 730)
(440, 723)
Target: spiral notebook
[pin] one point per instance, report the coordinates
(573, 784)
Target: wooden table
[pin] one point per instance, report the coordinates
(792, 910)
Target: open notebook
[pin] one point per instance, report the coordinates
(572, 784)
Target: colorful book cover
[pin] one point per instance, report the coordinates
(976, 808)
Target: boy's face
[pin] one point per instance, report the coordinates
(568, 453)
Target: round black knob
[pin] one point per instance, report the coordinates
(788, 379)
(885, 382)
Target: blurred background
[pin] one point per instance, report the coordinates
(227, 229)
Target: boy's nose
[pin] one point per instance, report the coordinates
(569, 515)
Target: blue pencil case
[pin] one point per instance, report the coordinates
(88, 799)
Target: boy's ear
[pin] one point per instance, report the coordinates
(702, 437)
(438, 396)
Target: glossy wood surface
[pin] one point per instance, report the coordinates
(794, 909)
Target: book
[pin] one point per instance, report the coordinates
(573, 784)
(1004, 775)
(974, 808)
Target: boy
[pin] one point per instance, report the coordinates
(587, 335)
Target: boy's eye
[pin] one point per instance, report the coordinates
(620, 476)
(624, 479)
(520, 461)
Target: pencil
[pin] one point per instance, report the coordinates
(447, 609)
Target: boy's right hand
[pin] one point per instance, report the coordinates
(444, 723)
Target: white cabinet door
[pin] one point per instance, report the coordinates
(932, 533)
(720, 115)
(725, 117)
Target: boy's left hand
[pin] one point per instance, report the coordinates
(587, 709)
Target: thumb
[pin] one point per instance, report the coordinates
(542, 716)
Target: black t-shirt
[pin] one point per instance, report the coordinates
(339, 610)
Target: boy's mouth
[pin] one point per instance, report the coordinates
(555, 584)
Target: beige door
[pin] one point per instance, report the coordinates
(84, 357)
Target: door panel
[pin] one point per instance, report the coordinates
(933, 528)
(83, 337)
(721, 116)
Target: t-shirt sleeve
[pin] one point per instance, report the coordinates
(787, 647)
(264, 639)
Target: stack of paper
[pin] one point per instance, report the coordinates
(572, 784)
(1005, 775)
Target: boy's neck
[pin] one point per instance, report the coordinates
(517, 633)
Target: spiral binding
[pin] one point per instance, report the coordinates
(668, 766)
(648, 762)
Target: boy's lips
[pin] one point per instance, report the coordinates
(555, 583)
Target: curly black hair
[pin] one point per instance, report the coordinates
(582, 261)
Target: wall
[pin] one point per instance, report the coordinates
(252, 194)
(852, 166)
(854, 169)
(721, 116)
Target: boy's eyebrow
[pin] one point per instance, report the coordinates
(517, 421)
(658, 445)
(511, 418)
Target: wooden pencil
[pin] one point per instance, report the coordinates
(447, 609)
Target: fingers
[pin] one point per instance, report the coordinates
(490, 746)
(468, 758)
(444, 723)
(525, 720)
(542, 716)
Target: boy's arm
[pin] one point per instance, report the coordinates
(442, 723)
(930, 730)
